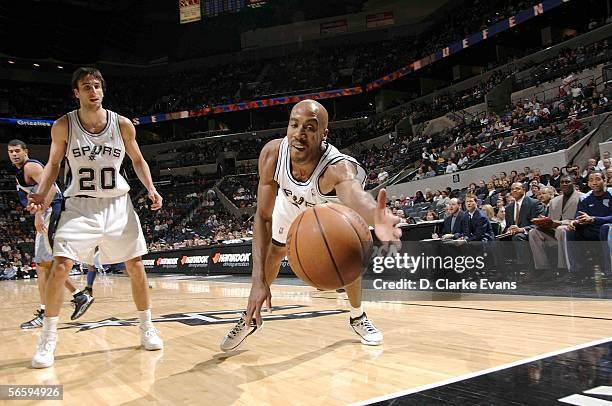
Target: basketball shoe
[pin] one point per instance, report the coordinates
(149, 338)
(36, 321)
(238, 334)
(44, 358)
(364, 328)
(81, 301)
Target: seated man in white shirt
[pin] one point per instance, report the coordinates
(451, 167)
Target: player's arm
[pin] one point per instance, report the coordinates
(33, 172)
(59, 139)
(128, 133)
(262, 232)
(342, 177)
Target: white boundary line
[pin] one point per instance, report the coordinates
(479, 373)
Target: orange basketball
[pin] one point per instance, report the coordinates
(328, 246)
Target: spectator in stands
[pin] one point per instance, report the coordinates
(500, 217)
(491, 195)
(456, 224)
(442, 200)
(479, 224)
(545, 196)
(554, 179)
(591, 166)
(429, 198)
(534, 189)
(430, 172)
(600, 165)
(482, 188)
(593, 216)
(418, 197)
(561, 211)
(451, 167)
(431, 215)
(520, 212)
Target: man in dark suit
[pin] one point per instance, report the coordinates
(520, 212)
(456, 224)
(479, 225)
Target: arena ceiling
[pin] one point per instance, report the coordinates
(135, 31)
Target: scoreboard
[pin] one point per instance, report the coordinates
(213, 8)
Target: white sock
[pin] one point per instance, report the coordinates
(50, 324)
(75, 291)
(42, 307)
(356, 311)
(145, 318)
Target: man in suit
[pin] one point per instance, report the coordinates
(456, 224)
(561, 211)
(479, 225)
(520, 212)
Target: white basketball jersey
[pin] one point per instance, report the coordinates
(307, 194)
(94, 160)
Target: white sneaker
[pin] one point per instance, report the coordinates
(44, 358)
(150, 340)
(238, 334)
(364, 328)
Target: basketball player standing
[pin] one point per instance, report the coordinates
(295, 173)
(29, 172)
(98, 210)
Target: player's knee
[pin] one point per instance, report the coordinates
(61, 266)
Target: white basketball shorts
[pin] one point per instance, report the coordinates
(109, 223)
(282, 217)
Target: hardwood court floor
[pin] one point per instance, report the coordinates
(311, 357)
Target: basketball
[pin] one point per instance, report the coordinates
(328, 246)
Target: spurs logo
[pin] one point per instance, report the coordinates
(207, 318)
(296, 201)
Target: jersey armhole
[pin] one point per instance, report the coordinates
(358, 167)
(279, 161)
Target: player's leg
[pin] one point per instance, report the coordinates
(54, 293)
(359, 321)
(92, 272)
(149, 338)
(42, 271)
(123, 241)
(76, 237)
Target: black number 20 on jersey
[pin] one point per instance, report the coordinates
(89, 178)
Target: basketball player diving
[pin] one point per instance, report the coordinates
(296, 172)
(98, 211)
(29, 172)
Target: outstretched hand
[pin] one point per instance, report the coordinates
(385, 221)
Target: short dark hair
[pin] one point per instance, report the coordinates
(595, 172)
(83, 71)
(16, 142)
